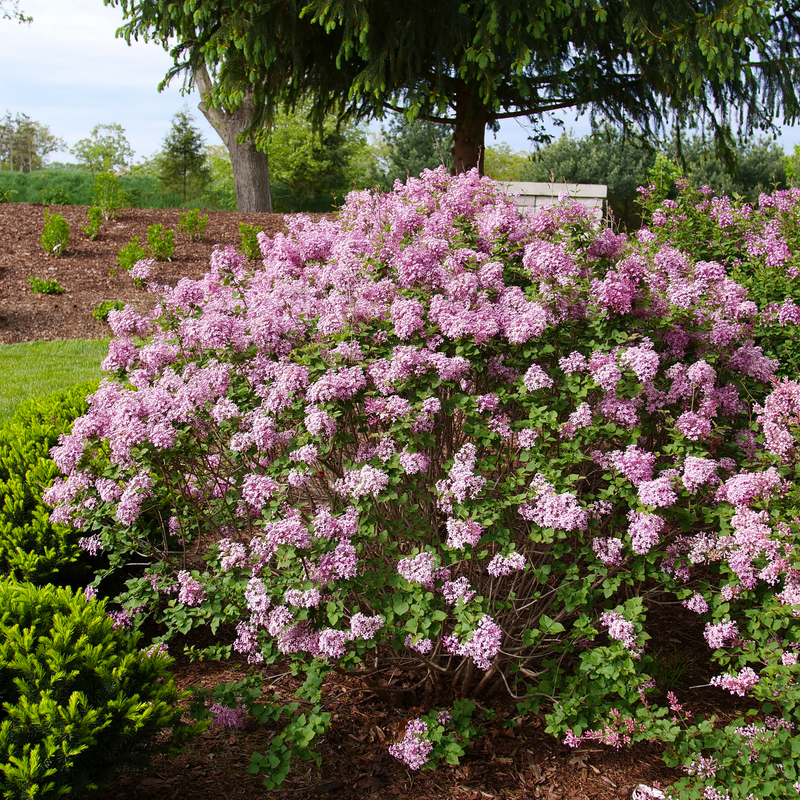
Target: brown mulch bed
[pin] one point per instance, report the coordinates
(85, 271)
(518, 763)
(511, 763)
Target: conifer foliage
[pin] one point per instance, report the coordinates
(184, 164)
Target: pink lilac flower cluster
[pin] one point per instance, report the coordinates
(190, 591)
(551, 510)
(618, 731)
(622, 630)
(227, 717)
(737, 684)
(719, 634)
(501, 565)
(482, 646)
(415, 747)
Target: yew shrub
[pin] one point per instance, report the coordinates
(479, 450)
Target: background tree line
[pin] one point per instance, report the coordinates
(312, 169)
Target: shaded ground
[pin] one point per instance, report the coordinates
(514, 764)
(521, 763)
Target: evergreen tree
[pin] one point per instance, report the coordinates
(184, 164)
(471, 64)
(410, 147)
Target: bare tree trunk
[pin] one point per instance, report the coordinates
(470, 131)
(250, 165)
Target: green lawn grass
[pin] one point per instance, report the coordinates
(38, 368)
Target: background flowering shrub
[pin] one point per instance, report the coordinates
(476, 447)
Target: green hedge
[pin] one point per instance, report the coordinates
(141, 191)
(31, 547)
(79, 699)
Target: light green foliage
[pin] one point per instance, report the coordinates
(108, 195)
(407, 148)
(106, 148)
(183, 164)
(31, 547)
(6, 195)
(221, 188)
(40, 286)
(55, 237)
(192, 225)
(313, 170)
(140, 189)
(33, 369)
(81, 700)
(94, 221)
(662, 174)
(101, 310)
(54, 197)
(25, 143)
(161, 242)
(504, 164)
(604, 157)
(249, 238)
(791, 166)
(130, 253)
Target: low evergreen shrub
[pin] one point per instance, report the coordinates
(80, 699)
(129, 254)
(102, 310)
(32, 546)
(161, 242)
(108, 194)
(54, 197)
(95, 220)
(41, 286)
(192, 225)
(250, 246)
(55, 237)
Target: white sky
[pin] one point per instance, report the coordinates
(68, 71)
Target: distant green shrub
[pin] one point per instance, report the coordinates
(55, 236)
(101, 310)
(55, 196)
(32, 547)
(161, 242)
(192, 225)
(249, 235)
(130, 253)
(108, 194)
(80, 700)
(92, 227)
(40, 286)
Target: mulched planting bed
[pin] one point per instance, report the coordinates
(84, 272)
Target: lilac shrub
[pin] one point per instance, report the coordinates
(466, 446)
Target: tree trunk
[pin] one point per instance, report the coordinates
(250, 165)
(470, 131)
